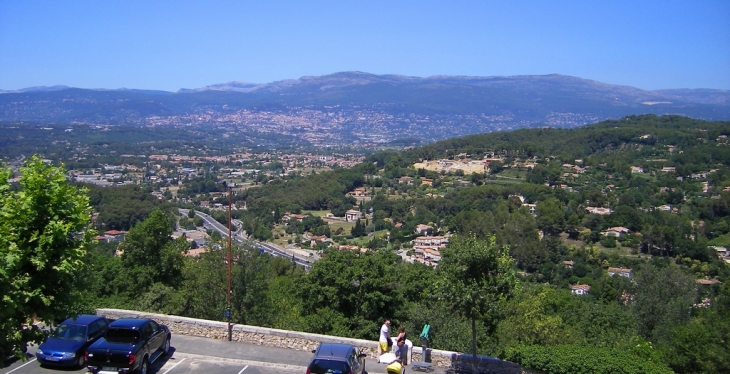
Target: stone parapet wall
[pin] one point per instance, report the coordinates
(301, 341)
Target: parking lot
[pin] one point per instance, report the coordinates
(199, 355)
(195, 355)
(178, 364)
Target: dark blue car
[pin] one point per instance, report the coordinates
(334, 358)
(67, 343)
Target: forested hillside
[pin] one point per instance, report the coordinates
(645, 195)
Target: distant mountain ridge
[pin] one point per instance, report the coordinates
(348, 103)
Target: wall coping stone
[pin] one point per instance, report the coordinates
(297, 340)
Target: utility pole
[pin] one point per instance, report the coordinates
(228, 310)
(229, 186)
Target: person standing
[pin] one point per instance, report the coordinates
(384, 337)
(401, 351)
(406, 346)
(401, 333)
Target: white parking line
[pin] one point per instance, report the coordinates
(243, 369)
(173, 366)
(33, 360)
(271, 365)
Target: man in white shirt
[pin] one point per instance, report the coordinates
(384, 337)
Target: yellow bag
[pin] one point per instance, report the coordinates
(394, 368)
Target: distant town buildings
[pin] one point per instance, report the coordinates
(598, 210)
(628, 273)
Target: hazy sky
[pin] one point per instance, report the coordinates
(169, 45)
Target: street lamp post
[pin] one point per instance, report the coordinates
(229, 186)
(228, 311)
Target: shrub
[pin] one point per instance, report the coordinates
(579, 359)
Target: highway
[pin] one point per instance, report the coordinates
(238, 237)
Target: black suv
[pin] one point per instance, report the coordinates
(332, 358)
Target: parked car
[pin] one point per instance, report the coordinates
(67, 343)
(333, 358)
(129, 346)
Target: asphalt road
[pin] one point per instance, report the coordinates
(201, 355)
(238, 237)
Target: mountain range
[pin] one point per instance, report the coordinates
(362, 108)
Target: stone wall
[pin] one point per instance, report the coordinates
(302, 341)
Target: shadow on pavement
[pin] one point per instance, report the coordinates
(162, 360)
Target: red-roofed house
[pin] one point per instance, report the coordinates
(628, 273)
(580, 289)
(359, 191)
(616, 231)
(423, 229)
(114, 235)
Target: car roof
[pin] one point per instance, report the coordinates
(82, 319)
(129, 322)
(337, 350)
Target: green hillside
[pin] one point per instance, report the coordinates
(626, 212)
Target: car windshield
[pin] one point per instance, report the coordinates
(122, 336)
(66, 331)
(320, 366)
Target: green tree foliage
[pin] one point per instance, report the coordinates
(204, 286)
(101, 278)
(150, 256)
(42, 237)
(204, 184)
(358, 230)
(285, 310)
(551, 216)
(476, 278)
(249, 285)
(121, 207)
(662, 300)
(546, 315)
(533, 318)
(353, 292)
(448, 326)
(703, 344)
(581, 359)
(349, 294)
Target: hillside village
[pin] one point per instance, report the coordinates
(614, 232)
(193, 181)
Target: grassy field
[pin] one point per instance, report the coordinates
(512, 173)
(622, 251)
(364, 240)
(720, 241)
(346, 227)
(503, 181)
(283, 237)
(316, 213)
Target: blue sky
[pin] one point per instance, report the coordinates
(169, 45)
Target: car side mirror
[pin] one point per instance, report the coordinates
(362, 355)
(314, 351)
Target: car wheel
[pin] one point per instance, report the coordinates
(143, 367)
(80, 362)
(166, 347)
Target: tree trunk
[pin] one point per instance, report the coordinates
(473, 345)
